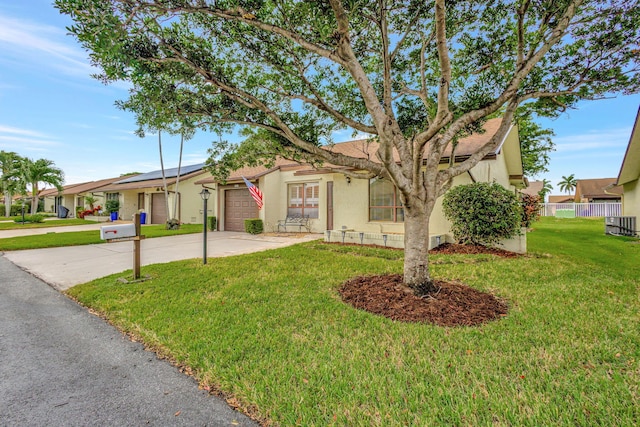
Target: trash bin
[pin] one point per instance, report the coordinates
(62, 211)
(143, 217)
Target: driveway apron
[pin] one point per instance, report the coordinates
(61, 366)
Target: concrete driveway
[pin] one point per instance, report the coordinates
(65, 267)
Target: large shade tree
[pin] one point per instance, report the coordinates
(415, 75)
(36, 172)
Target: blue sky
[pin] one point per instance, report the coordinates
(51, 108)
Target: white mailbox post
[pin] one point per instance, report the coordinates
(121, 231)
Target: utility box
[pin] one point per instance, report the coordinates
(620, 225)
(120, 231)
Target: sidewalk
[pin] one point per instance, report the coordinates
(65, 267)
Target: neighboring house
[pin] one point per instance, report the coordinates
(630, 173)
(72, 196)
(560, 199)
(334, 201)
(601, 190)
(146, 192)
(534, 188)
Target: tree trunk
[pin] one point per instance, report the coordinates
(34, 200)
(7, 203)
(416, 250)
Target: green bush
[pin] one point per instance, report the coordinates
(213, 223)
(482, 213)
(30, 218)
(17, 209)
(2, 210)
(253, 226)
(112, 205)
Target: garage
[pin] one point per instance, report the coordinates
(238, 206)
(158, 208)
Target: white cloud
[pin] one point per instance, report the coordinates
(42, 44)
(25, 140)
(606, 138)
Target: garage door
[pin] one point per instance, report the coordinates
(158, 209)
(238, 206)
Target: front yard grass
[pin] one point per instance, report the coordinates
(269, 330)
(12, 225)
(89, 237)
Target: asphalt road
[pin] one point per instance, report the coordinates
(61, 366)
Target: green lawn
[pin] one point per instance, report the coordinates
(89, 237)
(51, 223)
(270, 330)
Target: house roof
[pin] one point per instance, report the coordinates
(534, 188)
(149, 183)
(83, 187)
(168, 173)
(561, 199)
(600, 188)
(252, 173)
(364, 148)
(630, 169)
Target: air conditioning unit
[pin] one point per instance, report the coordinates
(620, 225)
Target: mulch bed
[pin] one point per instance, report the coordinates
(452, 304)
(454, 248)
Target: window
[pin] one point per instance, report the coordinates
(303, 199)
(113, 196)
(384, 202)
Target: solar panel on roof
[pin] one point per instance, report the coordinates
(168, 173)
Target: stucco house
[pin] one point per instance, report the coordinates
(630, 173)
(336, 202)
(73, 196)
(145, 192)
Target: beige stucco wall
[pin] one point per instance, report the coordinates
(351, 200)
(631, 200)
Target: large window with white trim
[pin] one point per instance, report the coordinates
(303, 199)
(384, 201)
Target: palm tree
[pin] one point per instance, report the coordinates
(568, 183)
(546, 189)
(40, 171)
(9, 170)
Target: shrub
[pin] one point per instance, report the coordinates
(253, 226)
(482, 213)
(213, 223)
(530, 209)
(112, 205)
(2, 209)
(17, 209)
(30, 218)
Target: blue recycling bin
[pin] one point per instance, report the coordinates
(143, 217)
(114, 216)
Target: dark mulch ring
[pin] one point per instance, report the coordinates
(455, 248)
(453, 304)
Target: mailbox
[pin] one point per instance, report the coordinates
(120, 231)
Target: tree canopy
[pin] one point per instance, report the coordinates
(416, 76)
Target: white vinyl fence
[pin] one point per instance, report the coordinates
(571, 210)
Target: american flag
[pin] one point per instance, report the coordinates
(255, 192)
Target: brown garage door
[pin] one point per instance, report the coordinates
(238, 206)
(158, 208)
